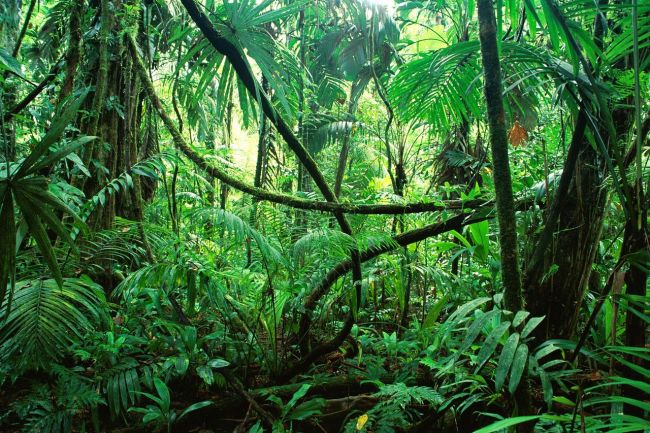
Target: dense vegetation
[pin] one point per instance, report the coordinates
(324, 215)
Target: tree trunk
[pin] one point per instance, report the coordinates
(73, 54)
(556, 280)
(9, 26)
(557, 290)
(502, 179)
(500, 160)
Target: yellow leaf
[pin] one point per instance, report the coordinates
(361, 421)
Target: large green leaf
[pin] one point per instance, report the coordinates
(9, 63)
(7, 241)
(505, 423)
(489, 345)
(46, 318)
(518, 366)
(32, 215)
(53, 134)
(60, 153)
(475, 329)
(505, 360)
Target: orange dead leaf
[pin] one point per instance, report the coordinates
(518, 134)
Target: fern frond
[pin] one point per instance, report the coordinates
(45, 319)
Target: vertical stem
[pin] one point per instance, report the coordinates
(23, 30)
(500, 160)
(102, 78)
(502, 180)
(345, 150)
(637, 109)
(74, 49)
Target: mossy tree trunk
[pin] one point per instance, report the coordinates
(493, 87)
(500, 159)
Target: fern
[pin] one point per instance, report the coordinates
(45, 319)
(238, 229)
(404, 396)
(396, 408)
(323, 239)
(59, 408)
(149, 168)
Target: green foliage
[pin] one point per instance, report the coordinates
(293, 410)
(9, 63)
(181, 275)
(23, 188)
(45, 319)
(59, 408)
(161, 413)
(395, 408)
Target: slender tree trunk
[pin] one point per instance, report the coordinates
(636, 240)
(73, 54)
(260, 172)
(10, 12)
(502, 180)
(500, 160)
(303, 183)
(345, 150)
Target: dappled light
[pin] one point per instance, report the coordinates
(337, 216)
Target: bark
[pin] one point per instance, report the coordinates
(636, 239)
(560, 267)
(240, 66)
(557, 283)
(500, 160)
(286, 199)
(345, 150)
(116, 119)
(102, 72)
(502, 180)
(73, 54)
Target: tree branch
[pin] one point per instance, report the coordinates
(287, 199)
(34, 93)
(455, 223)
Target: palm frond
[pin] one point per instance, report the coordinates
(45, 320)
